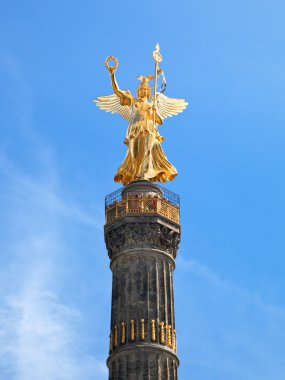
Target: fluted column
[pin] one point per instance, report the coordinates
(142, 241)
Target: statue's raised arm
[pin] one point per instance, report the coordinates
(125, 97)
(121, 101)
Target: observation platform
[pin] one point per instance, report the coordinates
(147, 198)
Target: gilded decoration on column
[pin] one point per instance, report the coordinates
(142, 330)
(133, 336)
(162, 333)
(145, 158)
(153, 334)
(168, 335)
(174, 344)
(124, 334)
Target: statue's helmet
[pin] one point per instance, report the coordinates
(144, 90)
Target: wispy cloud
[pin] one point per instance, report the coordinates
(38, 332)
(41, 328)
(39, 342)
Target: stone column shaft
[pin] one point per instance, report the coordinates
(142, 242)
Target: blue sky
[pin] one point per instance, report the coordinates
(58, 155)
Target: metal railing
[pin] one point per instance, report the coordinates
(168, 195)
(117, 206)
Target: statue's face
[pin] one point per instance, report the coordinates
(142, 93)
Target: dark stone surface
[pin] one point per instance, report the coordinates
(144, 188)
(142, 289)
(142, 232)
(143, 363)
(142, 249)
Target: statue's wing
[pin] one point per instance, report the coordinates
(168, 107)
(111, 103)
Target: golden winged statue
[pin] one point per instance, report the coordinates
(145, 159)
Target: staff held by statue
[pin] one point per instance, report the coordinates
(157, 59)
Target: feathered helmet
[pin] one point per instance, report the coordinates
(144, 86)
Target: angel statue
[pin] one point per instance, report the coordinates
(145, 159)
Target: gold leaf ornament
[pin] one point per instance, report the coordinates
(107, 65)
